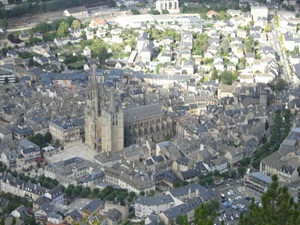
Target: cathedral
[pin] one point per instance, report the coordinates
(106, 120)
(104, 123)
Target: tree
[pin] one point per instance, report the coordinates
(85, 192)
(278, 207)
(76, 24)
(122, 7)
(233, 173)
(135, 11)
(216, 173)
(14, 173)
(242, 170)
(62, 29)
(202, 215)
(69, 191)
(2, 221)
(280, 84)
(214, 75)
(225, 46)
(226, 77)
(268, 28)
(48, 137)
(76, 191)
(154, 11)
(95, 192)
(111, 3)
(164, 11)
(5, 23)
(132, 194)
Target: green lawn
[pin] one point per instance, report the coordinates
(76, 65)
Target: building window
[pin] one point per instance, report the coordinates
(116, 122)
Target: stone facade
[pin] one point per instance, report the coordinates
(170, 5)
(105, 121)
(66, 130)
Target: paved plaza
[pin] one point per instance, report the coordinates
(80, 150)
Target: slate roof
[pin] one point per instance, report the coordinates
(142, 113)
(176, 211)
(205, 193)
(47, 208)
(261, 177)
(24, 131)
(67, 123)
(182, 209)
(154, 200)
(114, 215)
(92, 206)
(75, 214)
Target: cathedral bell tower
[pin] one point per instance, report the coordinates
(92, 113)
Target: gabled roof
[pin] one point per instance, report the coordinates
(154, 200)
(92, 206)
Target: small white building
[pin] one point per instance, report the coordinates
(146, 205)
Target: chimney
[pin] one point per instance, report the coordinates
(190, 193)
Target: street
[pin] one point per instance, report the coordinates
(281, 54)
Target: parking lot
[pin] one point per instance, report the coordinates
(80, 150)
(235, 200)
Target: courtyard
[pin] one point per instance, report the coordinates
(80, 150)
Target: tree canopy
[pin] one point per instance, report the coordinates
(278, 207)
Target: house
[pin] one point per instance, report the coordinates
(285, 161)
(190, 191)
(24, 37)
(146, 205)
(211, 14)
(3, 204)
(185, 53)
(98, 23)
(219, 164)
(43, 211)
(10, 220)
(259, 12)
(56, 195)
(60, 42)
(19, 212)
(164, 57)
(136, 184)
(76, 11)
(186, 208)
(54, 218)
(296, 77)
(113, 217)
(73, 216)
(234, 155)
(188, 67)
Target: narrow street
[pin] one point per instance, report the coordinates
(282, 56)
